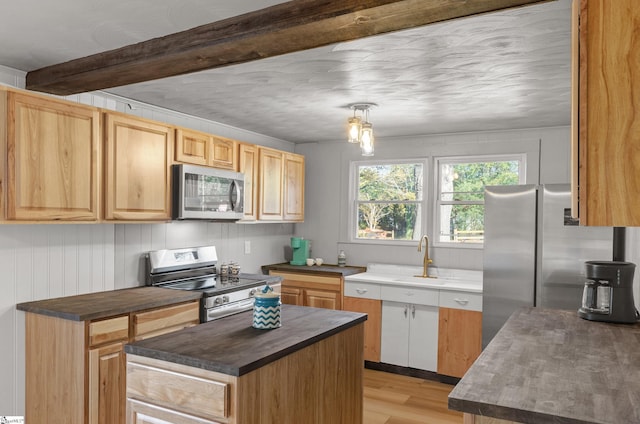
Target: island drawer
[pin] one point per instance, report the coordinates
(183, 389)
(362, 290)
(461, 300)
(419, 296)
(108, 330)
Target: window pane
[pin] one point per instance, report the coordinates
(462, 223)
(390, 182)
(467, 180)
(394, 221)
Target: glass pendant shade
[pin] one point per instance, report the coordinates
(366, 139)
(355, 125)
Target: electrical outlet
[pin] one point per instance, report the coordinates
(247, 247)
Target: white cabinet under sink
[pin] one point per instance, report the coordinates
(410, 327)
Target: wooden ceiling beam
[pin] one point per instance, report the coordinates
(283, 28)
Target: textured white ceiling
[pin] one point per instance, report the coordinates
(503, 70)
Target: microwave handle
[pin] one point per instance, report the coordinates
(235, 187)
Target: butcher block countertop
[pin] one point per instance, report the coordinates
(550, 366)
(105, 304)
(232, 346)
(326, 269)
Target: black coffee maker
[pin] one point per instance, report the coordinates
(608, 292)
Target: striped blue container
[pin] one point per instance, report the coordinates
(266, 311)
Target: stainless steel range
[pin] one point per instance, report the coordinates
(195, 269)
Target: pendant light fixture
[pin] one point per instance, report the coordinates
(360, 130)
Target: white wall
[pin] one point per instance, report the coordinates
(327, 181)
(45, 261)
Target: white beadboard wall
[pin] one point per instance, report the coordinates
(40, 262)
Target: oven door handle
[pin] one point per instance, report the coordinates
(227, 309)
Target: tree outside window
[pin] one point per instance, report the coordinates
(389, 201)
(460, 201)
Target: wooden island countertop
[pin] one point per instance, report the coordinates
(309, 370)
(550, 366)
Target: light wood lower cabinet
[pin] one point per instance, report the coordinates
(107, 384)
(372, 326)
(459, 340)
(76, 370)
(317, 291)
(139, 154)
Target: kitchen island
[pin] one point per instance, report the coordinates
(550, 366)
(309, 370)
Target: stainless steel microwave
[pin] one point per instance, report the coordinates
(199, 192)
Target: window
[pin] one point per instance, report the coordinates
(388, 200)
(460, 196)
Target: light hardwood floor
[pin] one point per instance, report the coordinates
(396, 399)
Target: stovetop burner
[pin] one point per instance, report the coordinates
(214, 285)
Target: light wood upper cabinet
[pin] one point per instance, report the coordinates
(204, 149)
(53, 158)
(281, 182)
(192, 147)
(248, 165)
(137, 171)
(224, 153)
(606, 125)
(271, 183)
(293, 187)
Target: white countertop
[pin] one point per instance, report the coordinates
(405, 275)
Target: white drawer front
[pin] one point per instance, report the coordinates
(461, 300)
(420, 296)
(362, 290)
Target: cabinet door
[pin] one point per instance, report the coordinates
(223, 153)
(291, 296)
(394, 347)
(459, 340)
(107, 384)
(193, 147)
(322, 299)
(137, 169)
(372, 326)
(271, 178)
(53, 159)
(608, 113)
(423, 337)
(248, 165)
(293, 187)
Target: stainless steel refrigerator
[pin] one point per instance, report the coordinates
(534, 253)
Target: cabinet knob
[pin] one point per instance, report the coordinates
(461, 301)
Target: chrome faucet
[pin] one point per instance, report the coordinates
(427, 260)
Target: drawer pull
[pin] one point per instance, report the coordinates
(461, 301)
(362, 291)
(409, 293)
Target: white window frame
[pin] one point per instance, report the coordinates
(353, 200)
(520, 157)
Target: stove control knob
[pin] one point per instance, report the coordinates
(218, 301)
(225, 299)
